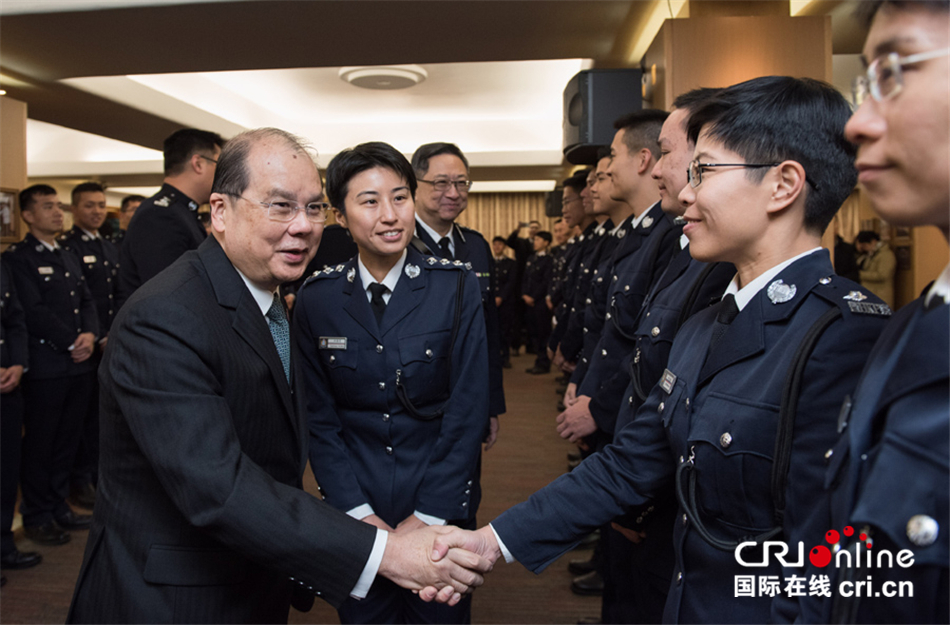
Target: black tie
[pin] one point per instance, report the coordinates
(446, 250)
(377, 303)
(727, 313)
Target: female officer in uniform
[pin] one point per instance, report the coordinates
(393, 344)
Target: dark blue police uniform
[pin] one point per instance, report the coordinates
(164, 227)
(13, 351)
(890, 472)
(718, 416)
(58, 308)
(366, 445)
(575, 255)
(535, 284)
(505, 289)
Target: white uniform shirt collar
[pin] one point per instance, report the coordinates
(941, 287)
(390, 281)
(746, 293)
(438, 237)
(684, 241)
(51, 247)
(94, 235)
(263, 297)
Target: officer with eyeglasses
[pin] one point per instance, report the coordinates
(889, 470)
(444, 182)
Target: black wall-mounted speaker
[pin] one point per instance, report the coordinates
(593, 100)
(552, 203)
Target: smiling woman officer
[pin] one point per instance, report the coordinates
(391, 343)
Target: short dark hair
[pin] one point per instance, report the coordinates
(353, 161)
(124, 207)
(602, 153)
(867, 236)
(641, 129)
(534, 221)
(692, 100)
(777, 118)
(578, 181)
(544, 234)
(86, 187)
(182, 144)
(28, 194)
(866, 11)
(420, 158)
(502, 239)
(232, 175)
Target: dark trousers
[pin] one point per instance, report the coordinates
(53, 420)
(85, 467)
(388, 603)
(506, 314)
(541, 318)
(11, 431)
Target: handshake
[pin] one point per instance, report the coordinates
(440, 563)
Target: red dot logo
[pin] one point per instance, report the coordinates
(863, 536)
(831, 536)
(819, 556)
(848, 530)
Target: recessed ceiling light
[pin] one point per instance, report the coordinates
(384, 77)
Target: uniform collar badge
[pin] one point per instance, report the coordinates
(621, 233)
(412, 271)
(779, 292)
(351, 274)
(647, 222)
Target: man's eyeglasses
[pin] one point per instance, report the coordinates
(286, 211)
(208, 158)
(441, 186)
(885, 75)
(695, 172)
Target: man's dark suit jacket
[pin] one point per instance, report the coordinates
(200, 516)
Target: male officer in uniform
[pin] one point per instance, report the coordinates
(99, 259)
(890, 468)
(14, 357)
(504, 296)
(127, 208)
(742, 380)
(62, 324)
(166, 225)
(443, 175)
(534, 290)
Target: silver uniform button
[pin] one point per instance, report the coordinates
(659, 408)
(389, 451)
(626, 288)
(382, 386)
(829, 453)
(922, 530)
(603, 353)
(429, 353)
(332, 358)
(379, 349)
(385, 416)
(608, 316)
(725, 440)
(655, 331)
(685, 519)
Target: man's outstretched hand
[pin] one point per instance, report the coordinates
(481, 543)
(411, 561)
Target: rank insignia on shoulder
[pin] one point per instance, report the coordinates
(457, 263)
(445, 261)
(412, 271)
(431, 260)
(163, 201)
(469, 267)
(779, 292)
(193, 205)
(45, 271)
(340, 267)
(332, 342)
(856, 296)
(351, 274)
(868, 308)
(667, 381)
(647, 222)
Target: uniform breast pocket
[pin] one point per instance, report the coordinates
(734, 441)
(425, 366)
(341, 368)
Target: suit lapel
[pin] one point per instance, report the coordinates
(247, 320)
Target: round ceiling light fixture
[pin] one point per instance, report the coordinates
(384, 76)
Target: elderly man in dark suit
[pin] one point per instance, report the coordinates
(200, 515)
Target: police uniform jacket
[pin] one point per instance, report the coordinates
(505, 279)
(200, 514)
(100, 266)
(720, 414)
(557, 254)
(365, 446)
(164, 227)
(57, 303)
(890, 470)
(471, 247)
(573, 266)
(537, 276)
(13, 335)
(602, 244)
(637, 265)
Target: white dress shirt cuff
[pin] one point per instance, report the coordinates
(361, 512)
(501, 545)
(428, 519)
(372, 566)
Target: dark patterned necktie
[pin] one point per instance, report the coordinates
(727, 313)
(377, 303)
(446, 250)
(280, 331)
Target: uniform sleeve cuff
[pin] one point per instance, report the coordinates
(372, 566)
(428, 519)
(361, 512)
(501, 545)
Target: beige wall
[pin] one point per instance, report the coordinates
(13, 147)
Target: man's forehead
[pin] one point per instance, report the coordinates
(900, 30)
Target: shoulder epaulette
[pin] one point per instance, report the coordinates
(851, 297)
(444, 263)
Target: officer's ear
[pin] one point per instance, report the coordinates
(27, 214)
(340, 217)
(787, 180)
(220, 205)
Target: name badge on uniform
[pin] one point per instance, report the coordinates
(667, 381)
(89, 259)
(45, 271)
(332, 342)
